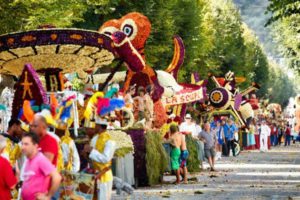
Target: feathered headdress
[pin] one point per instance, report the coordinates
(28, 113)
(90, 108)
(113, 104)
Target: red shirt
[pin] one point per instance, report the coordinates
(7, 179)
(288, 131)
(273, 130)
(50, 145)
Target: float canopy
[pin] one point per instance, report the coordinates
(71, 50)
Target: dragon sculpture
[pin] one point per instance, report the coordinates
(129, 35)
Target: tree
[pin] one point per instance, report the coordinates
(281, 9)
(285, 21)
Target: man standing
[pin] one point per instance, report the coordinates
(225, 126)
(175, 140)
(7, 177)
(188, 126)
(41, 179)
(231, 133)
(102, 151)
(265, 132)
(209, 140)
(287, 134)
(49, 146)
(274, 133)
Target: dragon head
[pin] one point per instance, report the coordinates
(134, 25)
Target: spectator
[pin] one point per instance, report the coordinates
(188, 126)
(251, 136)
(8, 180)
(232, 129)
(225, 126)
(209, 140)
(287, 134)
(264, 134)
(219, 132)
(280, 134)
(199, 145)
(294, 133)
(49, 146)
(41, 180)
(274, 132)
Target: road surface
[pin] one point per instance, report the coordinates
(251, 175)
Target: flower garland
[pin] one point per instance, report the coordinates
(124, 142)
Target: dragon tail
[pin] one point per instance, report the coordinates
(178, 56)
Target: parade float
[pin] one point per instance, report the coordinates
(42, 58)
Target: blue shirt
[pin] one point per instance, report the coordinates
(232, 130)
(229, 130)
(226, 130)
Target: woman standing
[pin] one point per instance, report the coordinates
(251, 137)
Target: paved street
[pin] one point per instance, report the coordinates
(251, 175)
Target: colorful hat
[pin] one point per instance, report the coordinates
(101, 121)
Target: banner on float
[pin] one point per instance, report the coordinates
(185, 97)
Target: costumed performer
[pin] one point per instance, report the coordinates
(102, 151)
(12, 151)
(71, 160)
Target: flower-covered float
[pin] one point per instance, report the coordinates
(49, 53)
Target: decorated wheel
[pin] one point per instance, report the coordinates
(220, 98)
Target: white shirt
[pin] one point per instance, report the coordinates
(106, 155)
(198, 129)
(184, 127)
(65, 148)
(265, 130)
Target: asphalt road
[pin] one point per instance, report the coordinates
(251, 175)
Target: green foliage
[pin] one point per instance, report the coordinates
(193, 163)
(286, 33)
(19, 15)
(77, 84)
(281, 87)
(156, 157)
(281, 9)
(285, 21)
(215, 38)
